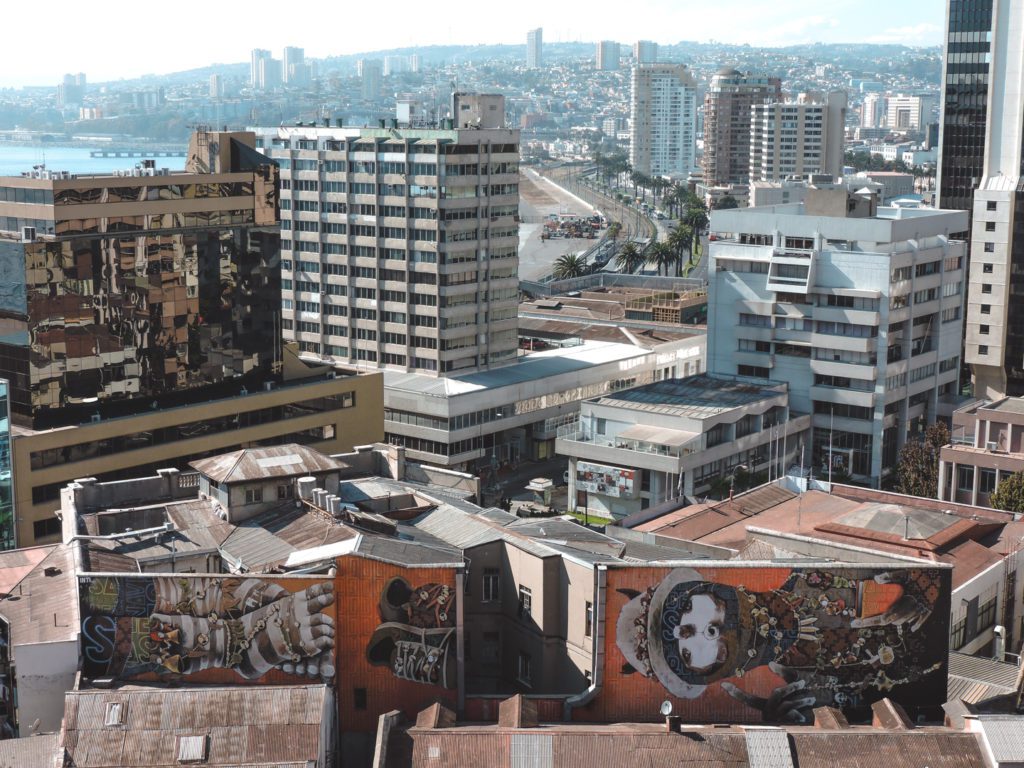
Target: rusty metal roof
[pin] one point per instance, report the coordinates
(291, 460)
(30, 752)
(43, 607)
(245, 725)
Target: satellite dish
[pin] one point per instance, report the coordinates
(666, 708)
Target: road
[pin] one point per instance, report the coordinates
(538, 197)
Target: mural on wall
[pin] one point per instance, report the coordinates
(416, 638)
(842, 637)
(181, 625)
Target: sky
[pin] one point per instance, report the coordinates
(115, 39)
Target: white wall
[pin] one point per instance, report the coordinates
(44, 672)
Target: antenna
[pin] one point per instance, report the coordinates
(666, 708)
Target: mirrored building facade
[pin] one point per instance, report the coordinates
(131, 291)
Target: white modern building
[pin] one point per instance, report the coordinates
(535, 48)
(908, 113)
(636, 448)
(293, 66)
(872, 111)
(645, 52)
(797, 138)
(858, 308)
(399, 247)
(663, 112)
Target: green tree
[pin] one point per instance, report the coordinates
(726, 202)
(664, 256)
(917, 469)
(569, 265)
(681, 243)
(1009, 495)
(629, 259)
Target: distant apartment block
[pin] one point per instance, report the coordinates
(608, 54)
(663, 108)
(645, 52)
(987, 447)
(257, 56)
(727, 115)
(908, 113)
(798, 138)
(535, 48)
(856, 307)
(371, 72)
(872, 111)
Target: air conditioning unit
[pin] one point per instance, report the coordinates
(991, 446)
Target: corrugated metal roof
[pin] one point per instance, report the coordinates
(247, 725)
(879, 749)
(16, 564)
(998, 673)
(291, 460)
(43, 608)
(531, 750)
(1005, 735)
(30, 752)
(768, 748)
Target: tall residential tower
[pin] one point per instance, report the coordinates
(727, 116)
(535, 48)
(664, 119)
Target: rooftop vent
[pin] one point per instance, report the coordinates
(192, 749)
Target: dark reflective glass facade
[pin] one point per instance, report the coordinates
(969, 41)
(159, 290)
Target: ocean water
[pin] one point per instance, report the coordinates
(16, 159)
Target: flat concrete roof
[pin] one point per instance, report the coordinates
(698, 397)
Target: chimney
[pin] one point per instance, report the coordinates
(517, 712)
(435, 716)
(830, 719)
(890, 716)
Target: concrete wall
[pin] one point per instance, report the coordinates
(44, 671)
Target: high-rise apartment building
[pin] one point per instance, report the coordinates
(645, 52)
(269, 74)
(257, 56)
(858, 308)
(727, 123)
(663, 111)
(872, 111)
(798, 138)
(216, 87)
(994, 336)
(293, 66)
(965, 94)
(607, 55)
(400, 247)
(371, 72)
(71, 90)
(141, 324)
(535, 48)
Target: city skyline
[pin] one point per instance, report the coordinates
(787, 22)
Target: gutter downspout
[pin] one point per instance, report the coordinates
(597, 647)
(460, 643)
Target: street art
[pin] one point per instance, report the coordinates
(181, 625)
(417, 635)
(843, 637)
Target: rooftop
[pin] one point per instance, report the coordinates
(291, 460)
(697, 397)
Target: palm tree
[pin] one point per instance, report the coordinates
(569, 265)
(663, 256)
(680, 242)
(629, 259)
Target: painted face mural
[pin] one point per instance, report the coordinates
(842, 638)
(177, 625)
(417, 636)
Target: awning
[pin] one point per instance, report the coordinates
(657, 435)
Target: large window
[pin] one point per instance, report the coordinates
(491, 591)
(524, 669)
(525, 601)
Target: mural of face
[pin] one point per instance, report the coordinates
(838, 637)
(700, 634)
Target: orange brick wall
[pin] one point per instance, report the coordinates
(358, 585)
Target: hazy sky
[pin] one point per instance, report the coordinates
(113, 39)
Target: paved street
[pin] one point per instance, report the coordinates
(538, 198)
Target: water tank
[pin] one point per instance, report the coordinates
(305, 487)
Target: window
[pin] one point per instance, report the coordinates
(986, 309)
(253, 495)
(986, 288)
(192, 749)
(524, 670)
(987, 615)
(983, 349)
(588, 620)
(986, 268)
(983, 330)
(491, 591)
(990, 205)
(602, 426)
(965, 478)
(990, 248)
(525, 601)
(359, 698)
(490, 654)
(986, 480)
(48, 527)
(115, 714)
(990, 226)
(958, 634)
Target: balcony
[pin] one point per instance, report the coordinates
(630, 451)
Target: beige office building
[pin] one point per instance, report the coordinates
(798, 138)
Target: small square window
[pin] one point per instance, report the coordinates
(986, 268)
(983, 329)
(990, 247)
(990, 226)
(982, 349)
(253, 495)
(990, 205)
(986, 309)
(986, 288)
(115, 713)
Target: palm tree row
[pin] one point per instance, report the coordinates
(569, 265)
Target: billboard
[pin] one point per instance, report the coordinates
(750, 643)
(606, 480)
(207, 628)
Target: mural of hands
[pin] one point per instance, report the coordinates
(791, 702)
